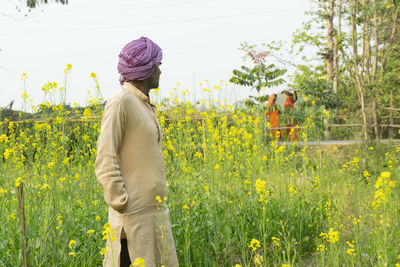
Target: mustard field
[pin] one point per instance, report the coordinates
(235, 198)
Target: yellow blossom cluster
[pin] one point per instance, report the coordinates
(331, 237)
(383, 185)
(254, 244)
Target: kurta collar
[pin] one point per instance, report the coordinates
(136, 92)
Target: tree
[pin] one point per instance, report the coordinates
(260, 75)
(35, 3)
(358, 50)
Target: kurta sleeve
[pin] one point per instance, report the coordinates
(107, 166)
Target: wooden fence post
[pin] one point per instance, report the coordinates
(204, 138)
(376, 120)
(265, 130)
(22, 228)
(391, 116)
(327, 131)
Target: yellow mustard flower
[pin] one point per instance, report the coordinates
(254, 244)
(71, 243)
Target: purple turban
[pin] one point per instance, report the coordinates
(138, 59)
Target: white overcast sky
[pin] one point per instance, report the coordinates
(199, 38)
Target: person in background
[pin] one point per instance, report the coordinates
(130, 165)
(291, 125)
(273, 113)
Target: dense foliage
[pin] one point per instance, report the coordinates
(354, 44)
(36, 3)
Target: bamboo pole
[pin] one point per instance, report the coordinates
(296, 127)
(83, 119)
(390, 125)
(22, 228)
(346, 125)
(204, 138)
(327, 131)
(342, 125)
(265, 130)
(388, 117)
(390, 109)
(391, 115)
(376, 121)
(311, 126)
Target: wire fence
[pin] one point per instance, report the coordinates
(321, 128)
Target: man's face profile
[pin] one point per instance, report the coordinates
(155, 77)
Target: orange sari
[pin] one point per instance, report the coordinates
(291, 133)
(273, 114)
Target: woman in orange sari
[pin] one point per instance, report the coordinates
(291, 125)
(273, 114)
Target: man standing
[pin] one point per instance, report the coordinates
(130, 164)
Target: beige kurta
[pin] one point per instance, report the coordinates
(130, 167)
